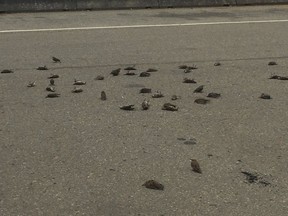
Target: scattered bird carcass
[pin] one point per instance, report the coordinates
(31, 84)
(157, 94)
(175, 97)
(50, 89)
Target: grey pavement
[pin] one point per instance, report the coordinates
(78, 155)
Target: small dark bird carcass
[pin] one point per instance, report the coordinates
(53, 95)
(152, 184)
(115, 72)
(56, 60)
(99, 77)
(103, 96)
(195, 166)
(145, 90)
(199, 89)
(77, 90)
(52, 82)
(145, 74)
(187, 80)
(42, 68)
(169, 107)
(149, 70)
(130, 68)
(214, 95)
(5, 71)
(265, 96)
(53, 76)
(271, 63)
(201, 101)
(182, 67)
(127, 107)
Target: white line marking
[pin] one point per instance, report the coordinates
(142, 26)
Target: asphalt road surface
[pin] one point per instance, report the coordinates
(78, 155)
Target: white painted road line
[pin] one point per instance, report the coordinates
(142, 26)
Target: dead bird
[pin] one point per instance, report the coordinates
(5, 71)
(130, 73)
(50, 88)
(53, 76)
(79, 82)
(53, 95)
(182, 67)
(193, 67)
(175, 97)
(77, 90)
(149, 70)
(99, 77)
(187, 80)
(52, 82)
(127, 107)
(199, 89)
(214, 95)
(42, 68)
(271, 63)
(265, 96)
(145, 90)
(103, 96)
(56, 60)
(217, 64)
(169, 107)
(195, 166)
(144, 74)
(130, 68)
(201, 101)
(152, 184)
(115, 72)
(145, 104)
(278, 77)
(31, 84)
(158, 94)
